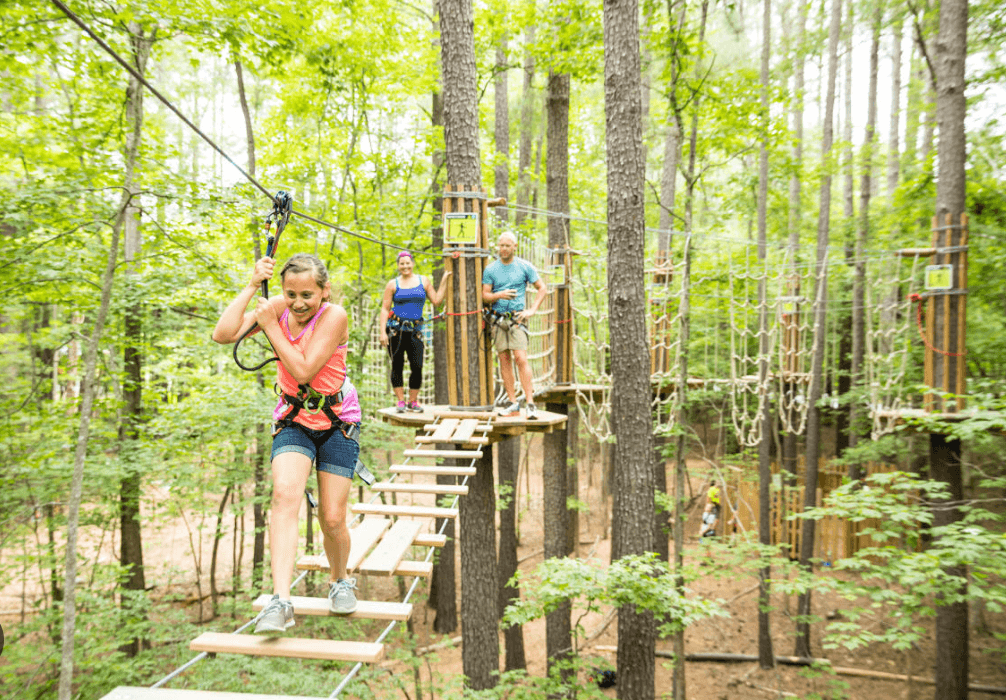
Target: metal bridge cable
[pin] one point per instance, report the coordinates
(429, 555)
(133, 72)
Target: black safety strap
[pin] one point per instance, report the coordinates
(275, 224)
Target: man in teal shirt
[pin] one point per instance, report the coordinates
(504, 284)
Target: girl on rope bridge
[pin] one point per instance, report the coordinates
(317, 419)
(402, 327)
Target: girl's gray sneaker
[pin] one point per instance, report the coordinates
(277, 616)
(341, 599)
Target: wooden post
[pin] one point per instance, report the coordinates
(946, 317)
(469, 366)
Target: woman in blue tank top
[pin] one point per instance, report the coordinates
(401, 326)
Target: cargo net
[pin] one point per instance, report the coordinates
(727, 359)
(890, 329)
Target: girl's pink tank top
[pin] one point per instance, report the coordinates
(330, 379)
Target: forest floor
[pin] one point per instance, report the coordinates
(169, 545)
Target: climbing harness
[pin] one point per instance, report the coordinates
(504, 320)
(312, 402)
(275, 223)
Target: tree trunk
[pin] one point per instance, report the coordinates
(131, 538)
(557, 626)
(766, 657)
(556, 525)
(841, 382)
(507, 461)
(945, 454)
(820, 326)
(261, 428)
(862, 237)
(443, 592)
(893, 143)
(218, 533)
(526, 127)
(479, 589)
(501, 170)
(630, 369)
(795, 218)
(479, 594)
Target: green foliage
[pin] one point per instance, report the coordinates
(901, 579)
(641, 581)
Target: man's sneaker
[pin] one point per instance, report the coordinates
(277, 616)
(341, 599)
(510, 408)
(415, 407)
(400, 407)
(532, 412)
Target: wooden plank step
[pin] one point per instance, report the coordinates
(444, 454)
(318, 562)
(365, 609)
(386, 557)
(437, 470)
(405, 511)
(422, 569)
(362, 539)
(132, 693)
(430, 539)
(444, 429)
(465, 431)
(405, 487)
(289, 647)
(428, 440)
(480, 428)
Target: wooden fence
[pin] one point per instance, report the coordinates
(834, 538)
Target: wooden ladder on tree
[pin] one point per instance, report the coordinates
(381, 536)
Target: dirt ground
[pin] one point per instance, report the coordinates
(177, 547)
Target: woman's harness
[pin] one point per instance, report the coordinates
(396, 324)
(312, 401)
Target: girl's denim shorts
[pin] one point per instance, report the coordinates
(335, 454)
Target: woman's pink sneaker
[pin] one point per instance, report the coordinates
(415, 407)
(400, 407)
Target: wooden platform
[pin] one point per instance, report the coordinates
(287, 647)
(920, 420)
(503, 428)
(132, 693)
(365, 609)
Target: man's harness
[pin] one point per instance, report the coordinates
(504, 320)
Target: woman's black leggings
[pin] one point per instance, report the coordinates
(400, 345)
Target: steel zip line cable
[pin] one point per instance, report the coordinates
(167, 103)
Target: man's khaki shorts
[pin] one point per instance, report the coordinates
(512, 338)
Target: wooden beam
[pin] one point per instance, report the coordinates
(438, 470)
(365, 609)
(405, 511)
(386, 557)
(449, 489)
(133, 693)
(430, 440)
(444, 454)
(287, 647)
(442, 430)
